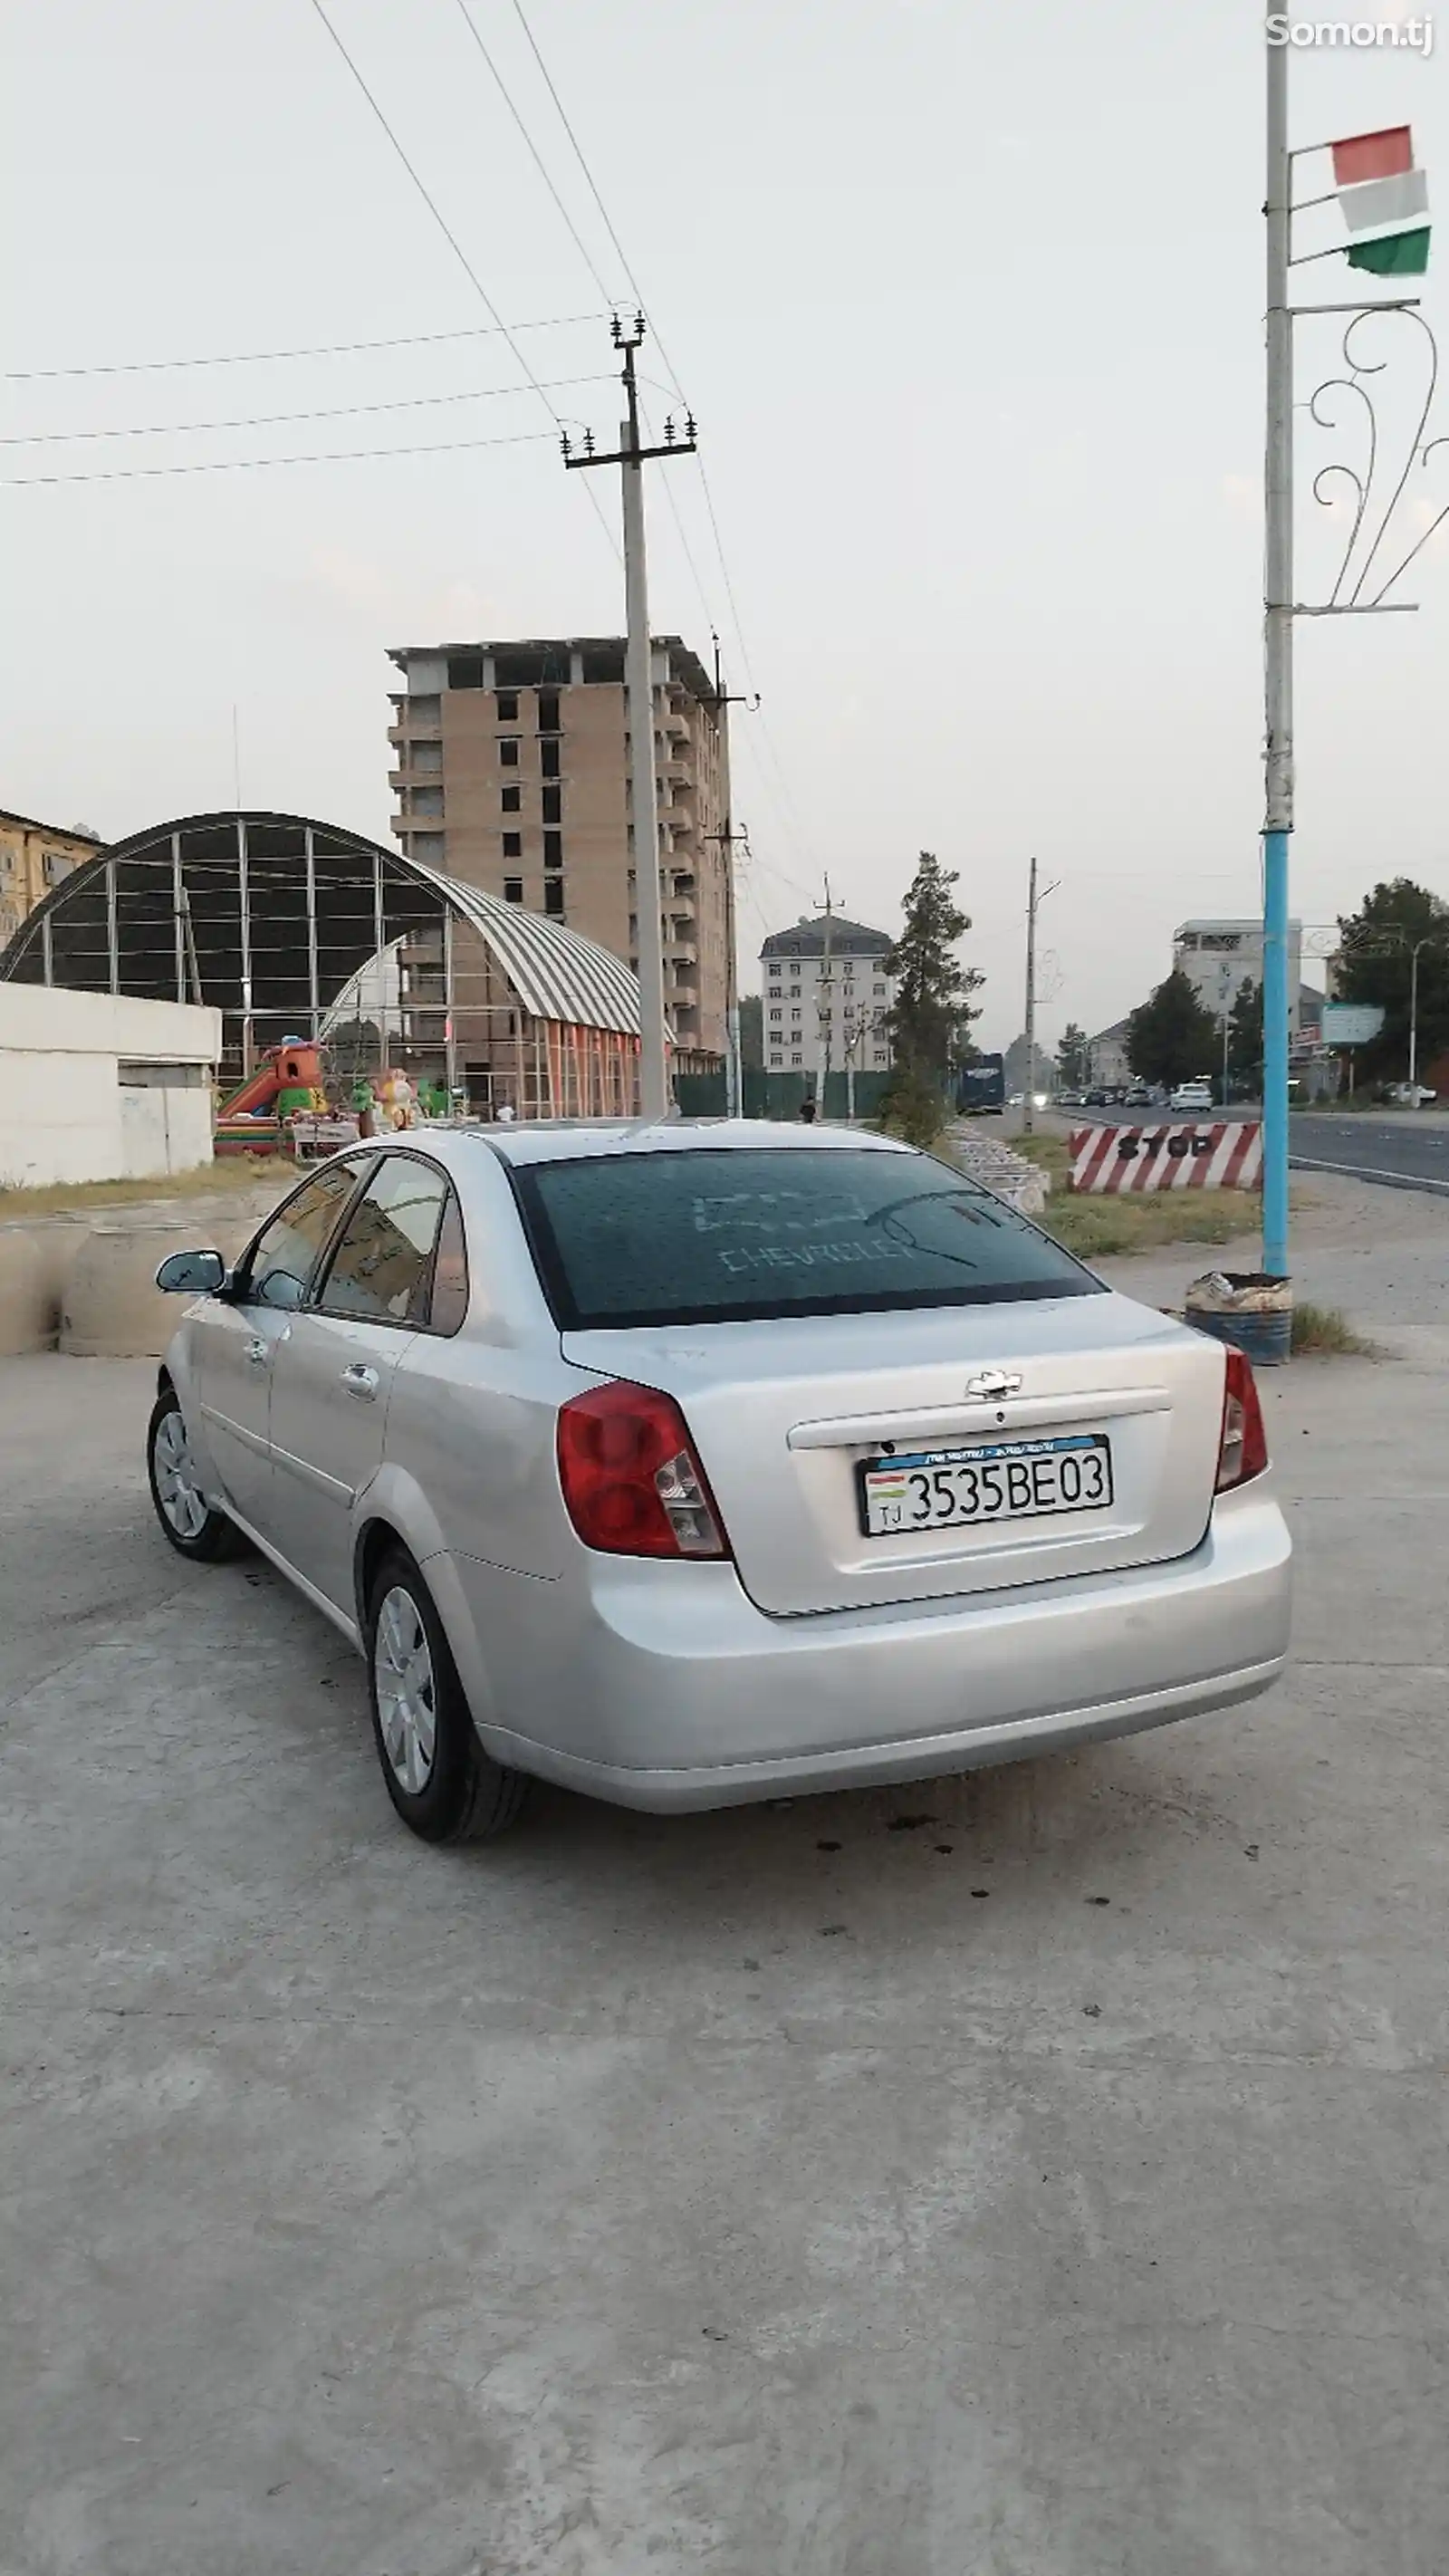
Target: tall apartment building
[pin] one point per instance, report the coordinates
(512, 772)
(33, 858)
(824, 1009)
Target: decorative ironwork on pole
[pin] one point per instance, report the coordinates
(1357, 584)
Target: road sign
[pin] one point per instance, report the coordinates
(1351, 1024)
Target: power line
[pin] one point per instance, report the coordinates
(640, 299)
(322, 349)
(263, 464)
(277, 419)
(451, 238)
(578, 151)
(539, 163)
(577, 239)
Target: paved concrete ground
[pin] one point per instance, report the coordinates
(1382, 1256)
(1040, 2175)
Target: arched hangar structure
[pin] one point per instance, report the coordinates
(271, 917)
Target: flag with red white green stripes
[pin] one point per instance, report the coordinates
(1385, 200)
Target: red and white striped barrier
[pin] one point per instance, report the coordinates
(1227, 1155)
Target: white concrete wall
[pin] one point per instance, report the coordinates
(165, 1123)
(66, 1115)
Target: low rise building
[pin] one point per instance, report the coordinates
(102, 1086)
(1108, 1068)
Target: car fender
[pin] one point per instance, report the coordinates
(396, 1499)
(177, 1370)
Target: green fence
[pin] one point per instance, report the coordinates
(778, 1095)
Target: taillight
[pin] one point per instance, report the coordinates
(632, 1484)
(1243, 1448)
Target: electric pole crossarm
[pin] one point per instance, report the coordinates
(630, 455)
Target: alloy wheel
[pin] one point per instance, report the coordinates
(177, 1489)
(402, 1667)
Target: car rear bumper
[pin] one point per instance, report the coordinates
(669, 1695)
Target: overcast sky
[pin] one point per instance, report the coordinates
(967, 300)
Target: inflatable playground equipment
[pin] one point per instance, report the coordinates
(282, 1107)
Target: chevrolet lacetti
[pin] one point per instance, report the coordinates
(696, 1463)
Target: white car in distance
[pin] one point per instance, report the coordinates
(698, 1463)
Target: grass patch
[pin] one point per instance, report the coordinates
(1094, 1228)
(234, 1172)
(1324, 1332)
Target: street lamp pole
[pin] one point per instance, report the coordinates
(1277, 669)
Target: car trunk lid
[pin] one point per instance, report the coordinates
(785, 1414)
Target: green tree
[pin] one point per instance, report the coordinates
(930, 1019)
(1074, 1058)
(1375, 965)
(1245, 1034)
(1171, 1037)
(929, 1022)
(752, 1029)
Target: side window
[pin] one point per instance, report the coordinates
(450, 1272)
(381, 1270)
(287, 1251)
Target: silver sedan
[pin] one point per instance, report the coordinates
(692, 1464)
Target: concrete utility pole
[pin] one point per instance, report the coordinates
(1225, 998)
(1277, 669)
(1035, 899)
(630, 456)
(734, 1071)
(822, 1072)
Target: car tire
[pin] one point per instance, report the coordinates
(438, 1776)
(194, 1529)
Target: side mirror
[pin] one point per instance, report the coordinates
(279, 1288)
(191, 1274)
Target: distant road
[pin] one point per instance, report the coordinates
(1407, 1153)
(1120, 1117)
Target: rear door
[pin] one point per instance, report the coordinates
(332, 1379)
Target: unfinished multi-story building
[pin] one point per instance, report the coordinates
(511, 770)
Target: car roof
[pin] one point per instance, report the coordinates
(557, 1140)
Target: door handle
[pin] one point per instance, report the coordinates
(257, 1353)
(360, 1381)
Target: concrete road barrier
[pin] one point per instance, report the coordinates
(27, 1313)
(112, 1308)
(36, 1262)
(34, 1265)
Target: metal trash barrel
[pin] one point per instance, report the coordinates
(1249, 1309)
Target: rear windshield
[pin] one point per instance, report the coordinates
(734, 1235)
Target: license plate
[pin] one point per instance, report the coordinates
(1003, 1480)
